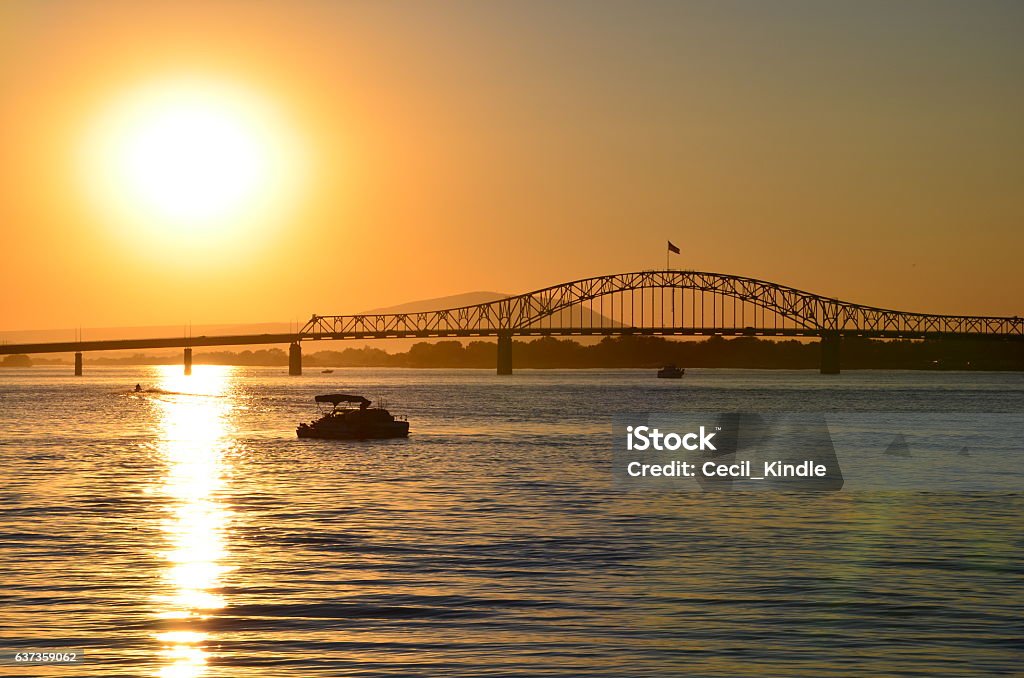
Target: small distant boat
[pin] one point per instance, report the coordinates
(353, 423)
(326, 371)
(671, 372)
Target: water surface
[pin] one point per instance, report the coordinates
(186, 531)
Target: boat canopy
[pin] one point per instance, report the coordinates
(338, 398)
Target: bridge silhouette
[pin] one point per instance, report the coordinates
(670, 302)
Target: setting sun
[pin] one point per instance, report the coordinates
(189, 155)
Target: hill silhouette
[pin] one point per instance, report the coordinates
(439, 303)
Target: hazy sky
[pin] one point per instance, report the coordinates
(867, 150)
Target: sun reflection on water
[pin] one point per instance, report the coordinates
(194, 439)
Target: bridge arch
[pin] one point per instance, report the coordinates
(795, 312)
(804, 310)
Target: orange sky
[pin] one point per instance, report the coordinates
(871, 151)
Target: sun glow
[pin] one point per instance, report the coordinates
(192, 156)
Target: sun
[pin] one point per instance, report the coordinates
(191, 155)
(193, 158)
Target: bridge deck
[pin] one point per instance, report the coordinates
(263, 339)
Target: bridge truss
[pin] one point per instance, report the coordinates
(664, 302)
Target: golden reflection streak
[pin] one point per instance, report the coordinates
(194, 437)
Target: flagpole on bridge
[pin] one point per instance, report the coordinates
(672, 249)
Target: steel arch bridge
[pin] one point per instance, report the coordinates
(668, 303)
(644, 302)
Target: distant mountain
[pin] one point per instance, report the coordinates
(440, 303)
(145, 332)
(565, 317)
(97, 333)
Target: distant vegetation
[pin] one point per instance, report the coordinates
(636, 351)
(16, 361)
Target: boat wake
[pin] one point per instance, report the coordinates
(160, 391)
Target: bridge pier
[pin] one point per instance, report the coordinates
(188, 361)
(504, 353)
(830, 346)
(78, 364)
(295, 359)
